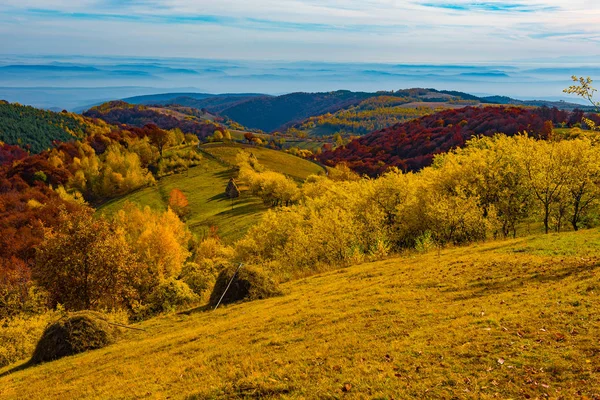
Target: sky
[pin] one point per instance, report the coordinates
(407, 31)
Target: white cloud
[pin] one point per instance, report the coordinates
(414, 30)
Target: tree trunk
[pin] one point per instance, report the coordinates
(575, 217)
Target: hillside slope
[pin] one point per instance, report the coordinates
(280, 112)
(510, 319)
(295, 167)
(120, 112)
(204, 186)
(270, 113)
(412, 145)
(37, 129)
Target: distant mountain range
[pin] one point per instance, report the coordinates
(71, 82)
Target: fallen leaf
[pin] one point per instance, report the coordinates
(346, 387)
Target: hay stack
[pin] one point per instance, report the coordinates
(75, 333)
(232, 191)
(249, 284)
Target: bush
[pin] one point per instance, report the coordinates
(73, 334)
(171, 295)
(178, 161)
(199, 277)
(19, 335)
(249, 284)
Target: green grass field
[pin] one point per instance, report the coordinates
(295, 167)
(204, 187)
(515, 319)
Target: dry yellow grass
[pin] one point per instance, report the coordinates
(511, 319)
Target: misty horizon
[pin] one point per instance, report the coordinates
(75, 82)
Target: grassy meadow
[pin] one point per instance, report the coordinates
(204, 187)
(507, 319)
(292, 166)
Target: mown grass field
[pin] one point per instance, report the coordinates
(512, 319)
(295, 167)
(204, 187)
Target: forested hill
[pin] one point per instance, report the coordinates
(37, 129)
(412, 145)
(270, 113)
(215, 103)
(187, 120)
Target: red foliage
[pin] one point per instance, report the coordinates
(412, 145)
(136, 117)
(9, 153)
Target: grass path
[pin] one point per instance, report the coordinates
(511, 319)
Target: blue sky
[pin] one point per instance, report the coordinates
(408, 31)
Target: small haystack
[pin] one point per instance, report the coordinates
(75, 333)
(249, 284)
(232, 191)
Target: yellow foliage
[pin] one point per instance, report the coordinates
(159, 240)
(487, 189)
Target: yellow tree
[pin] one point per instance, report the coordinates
(218, 136)
(584, 182)
(159, 242)
(584, 89)
(489, 168)
(548, 173)
(83, 263)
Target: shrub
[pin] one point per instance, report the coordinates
(20, 334)
(73, 334)
(171, 295)
(214, 250)
(178, 161)
(249, 284)
(199, 277)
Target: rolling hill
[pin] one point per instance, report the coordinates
(278, 113)
(204, 186)
(38, 129)
(295, 167)
(187, 119)
(507, 319)
(270, 113)
(215, 102)
(561, 105)
(372, 114)
(412, 145)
